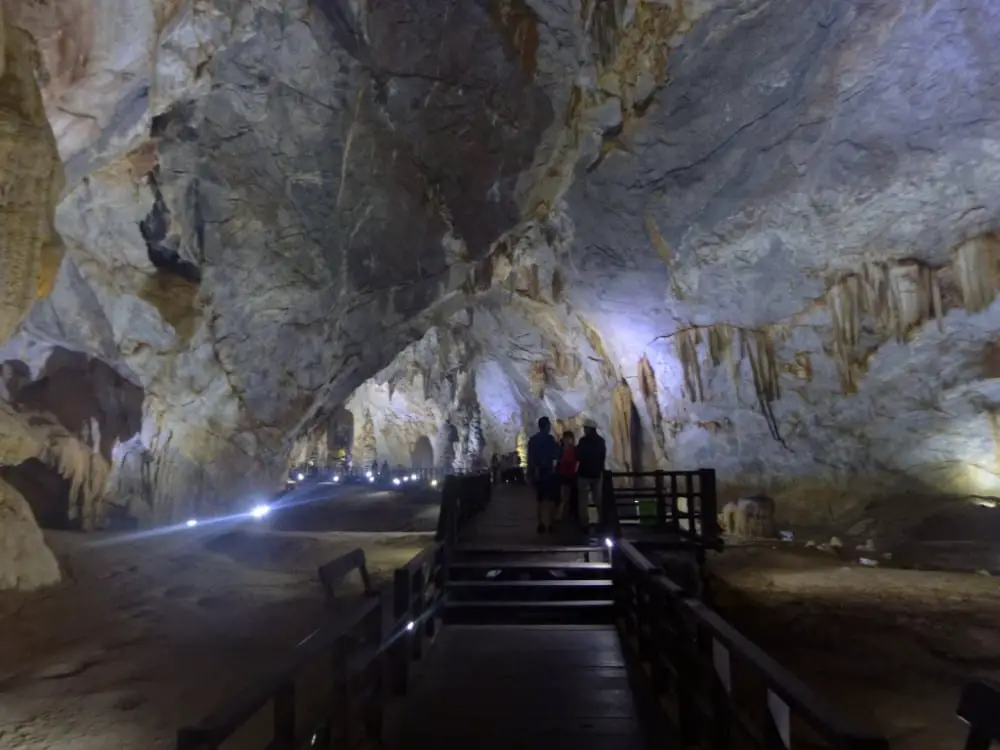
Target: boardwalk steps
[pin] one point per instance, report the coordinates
(525, 584)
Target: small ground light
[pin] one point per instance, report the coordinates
(260, 511)
(609, 542)
(191, 523)
(413, 477)
(434, 483)
(396, 481)
(411, 625)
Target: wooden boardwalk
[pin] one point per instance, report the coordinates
(510, 520)
(530, 687)
(526, 686)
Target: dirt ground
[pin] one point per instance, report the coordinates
(890, 647)
(151, 632)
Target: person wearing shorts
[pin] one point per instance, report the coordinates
(543, 453)
(591, 452)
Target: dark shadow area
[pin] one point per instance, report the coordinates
(47, 493)
(422, 454)
(635, 438)
(88, 397)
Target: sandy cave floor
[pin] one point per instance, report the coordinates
(147, 635)
(891, 648)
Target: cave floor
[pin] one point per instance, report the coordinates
(148, 634)
(891, 648)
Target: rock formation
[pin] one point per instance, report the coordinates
(758, 235)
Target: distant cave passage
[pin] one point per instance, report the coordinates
(422, 454)
(47, 493)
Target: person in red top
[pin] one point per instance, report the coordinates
(566, 471)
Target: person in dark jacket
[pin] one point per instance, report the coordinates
(543, 453)
(591, 453)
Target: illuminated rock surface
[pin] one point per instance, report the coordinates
(751, 234)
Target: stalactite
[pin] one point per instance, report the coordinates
(896, 298)
(621, 425)
(651, 397)
(757, 345)
(975, 267)
(687, 352)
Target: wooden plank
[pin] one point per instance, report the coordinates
(555, 583)
(515, 725)
(503, 740)
(502, 564)
(510, 696)
(482, 640)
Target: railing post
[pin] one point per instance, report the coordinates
(720, 688)
(661, 502)
(609, 506)
(284, 717)
(401, 648)
(685, 646)
(708, 506)
(339, 726)
(418, 580)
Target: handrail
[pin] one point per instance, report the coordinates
(218, 725)
(979, 707)
(689, 649)
(396, 624)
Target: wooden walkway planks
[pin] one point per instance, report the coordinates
(528, 686)
(510, 520)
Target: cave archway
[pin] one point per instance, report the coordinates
(87, 397)
(45, 490)
(340, 435)
(422, 453)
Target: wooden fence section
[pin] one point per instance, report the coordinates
(683, 503)
(333, 688)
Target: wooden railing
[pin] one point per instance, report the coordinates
(979, 707)
(683, 503)
(462, 498)
(718, 689)
(331, 690)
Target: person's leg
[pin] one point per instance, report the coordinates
(552, 500)
(564, 495)
(540, 506)
(596, 489)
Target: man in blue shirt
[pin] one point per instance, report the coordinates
(543, 453)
